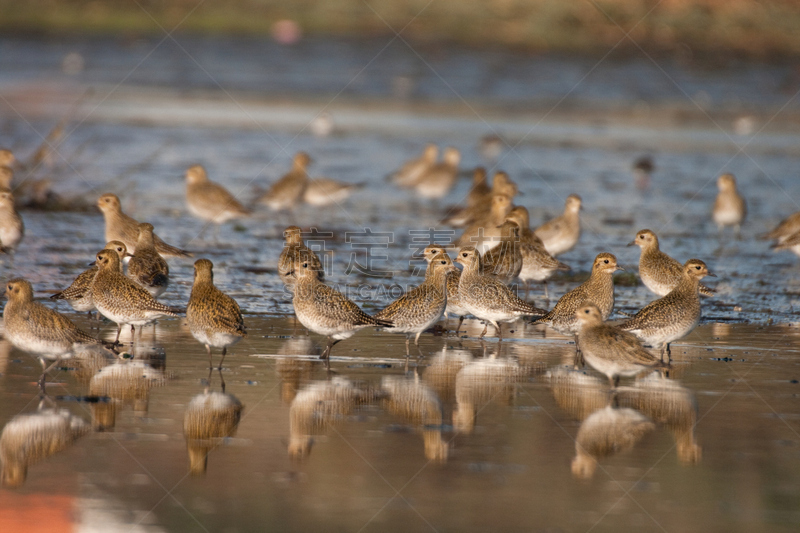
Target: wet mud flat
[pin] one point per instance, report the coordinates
(471, 428)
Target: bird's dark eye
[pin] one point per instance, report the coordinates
(606, 261)
(305, 265)
(641, 236)
(444, 262)
(697, 267)
(464, 255)
(587, 311)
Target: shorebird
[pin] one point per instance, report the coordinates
(561, 234)
(437, 180)
(292, 249)
(453, 306)
(787, 227)
(210, 201)
(504, 261)
(407, 175)
(121, 227)
(286, 193)
(598, 290)
(12, 228)
(659, 272)
(675, 315)
(214, 317)
(642, 169)
(147, 268)
(486, 297)
(321, 192)
(730, 208)
(484, 233)
(324, 310)
(609, 350)
(34, 328)
(423, 306)
(537, 263)
(77, 294)
(121, 300)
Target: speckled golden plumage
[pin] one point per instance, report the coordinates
(598, 289)
(210, 201)
(147, 268)
(214, 317)
(504, 261)
(77, 294)
(673, 316)
(486, 297)
(659, 272)
(293, 248)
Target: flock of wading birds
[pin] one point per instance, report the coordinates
(496, 247)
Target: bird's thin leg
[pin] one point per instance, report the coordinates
(669, 354)
(224, 352)
(485, 329)
(407, 353)
(416, 343)
(210, 358)
(499, 331)
(615, 382)
(578, 354)
(221, 380)
(45, 370)
(460, 321)
(133, 333)
(119, 329)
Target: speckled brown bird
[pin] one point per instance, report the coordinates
(147, 268)
(121, 300)
(792, 243)
(321, 192)
(34, 328)
(610, 350)
(210, 201)
(486, 297)
(293, 247)
(12, 229)
(77, 294)
(562, 233)
(504, 261)
(286, 193)
(598, 289)
(324, 310)
(730, 208)
(484, 233)
(537, 263)
(423, 306)
(659, 272)
(6, 177)
(121, 227)
(453, 278)
(675, 315)
(214, 317)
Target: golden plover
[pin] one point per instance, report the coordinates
(210, 201)
(286, 193)
(659, 272)
(408, 175)
(730, 208)
(561, 234)
(147, 267)
(12, 228)
(214, 317)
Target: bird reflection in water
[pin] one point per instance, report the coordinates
(614, 421)
(318, 406)
(210, 418)
(29, 438)
(414, 402)
(440, 374)
(119, 385)
(293, 371)
(479, 383)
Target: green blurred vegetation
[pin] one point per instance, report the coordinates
(743, 27)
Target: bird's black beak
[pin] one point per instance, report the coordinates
(632, 243)
(93, 263)
(711, 274)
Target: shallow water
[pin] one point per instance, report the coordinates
(713, 448)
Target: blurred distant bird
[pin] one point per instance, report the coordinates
(479, 195)
(6, 177)
(491, 146)
(325, 191)
(437, 180)
(209, 201)
(484, 233)
(408, 175)
(642, 169)
(12, 228)
(286, 193)
(787, 234)
(561, 234)
(730, 208)
(321, 125)
(121, 227)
